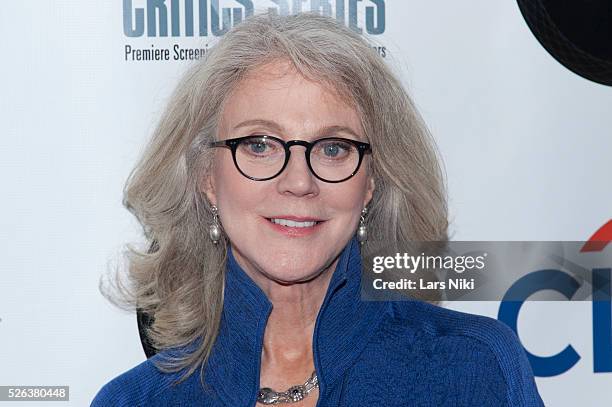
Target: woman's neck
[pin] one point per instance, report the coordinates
(287, 356)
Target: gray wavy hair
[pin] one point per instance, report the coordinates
(178, 279)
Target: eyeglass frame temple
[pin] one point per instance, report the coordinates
(362, 147)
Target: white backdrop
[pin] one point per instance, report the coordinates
(526, 142)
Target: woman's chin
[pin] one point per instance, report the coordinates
(291, 275)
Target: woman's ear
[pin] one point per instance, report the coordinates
(207, 186)
(369, 191)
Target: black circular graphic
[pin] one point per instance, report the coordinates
(578, 34)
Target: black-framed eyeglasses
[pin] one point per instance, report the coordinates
(262, 157)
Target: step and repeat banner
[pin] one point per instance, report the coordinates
(516, 94)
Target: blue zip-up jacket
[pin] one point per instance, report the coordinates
(366, 353)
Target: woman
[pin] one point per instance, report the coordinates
(279, 157)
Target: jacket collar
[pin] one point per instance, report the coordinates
(343, 326)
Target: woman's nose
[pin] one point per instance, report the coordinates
(296, 178)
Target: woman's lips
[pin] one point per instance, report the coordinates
(292, 231)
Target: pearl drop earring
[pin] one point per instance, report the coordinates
(362, 231)
(215, 229)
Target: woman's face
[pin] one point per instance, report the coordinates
(293, 108)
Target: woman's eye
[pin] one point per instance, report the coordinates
(332, 150)
(257, 147)
(335, 149)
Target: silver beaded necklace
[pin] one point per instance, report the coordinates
(291, 395)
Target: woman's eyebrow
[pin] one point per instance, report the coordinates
(260, 122)
(323, 131)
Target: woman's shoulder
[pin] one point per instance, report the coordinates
(436, 321)
(138, 386)
(469, 344)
